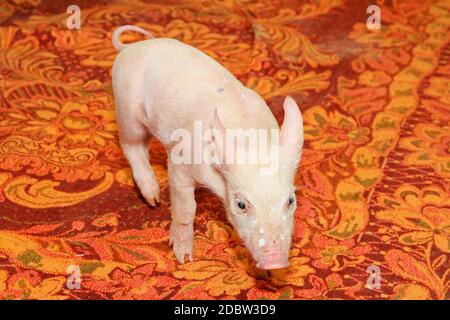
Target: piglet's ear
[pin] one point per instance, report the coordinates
(291, 135)
(218, 133)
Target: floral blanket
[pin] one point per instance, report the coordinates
(373, 220)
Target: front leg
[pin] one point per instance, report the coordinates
(183, 209)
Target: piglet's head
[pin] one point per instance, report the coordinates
(261, 205)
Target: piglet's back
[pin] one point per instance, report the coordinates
(187, 84)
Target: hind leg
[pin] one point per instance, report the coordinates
(134, 136)
(134, 140)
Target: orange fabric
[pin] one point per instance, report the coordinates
(374, 178)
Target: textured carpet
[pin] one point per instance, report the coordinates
(374, 180)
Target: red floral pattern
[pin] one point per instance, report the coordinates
(373, 186)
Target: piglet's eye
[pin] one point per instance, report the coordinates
(241, 204)
(291, 201)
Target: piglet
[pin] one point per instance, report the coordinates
(162, 85)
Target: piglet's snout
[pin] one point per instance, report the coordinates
(271, 253)
(272, 262)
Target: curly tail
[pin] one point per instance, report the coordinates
(116, 35)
